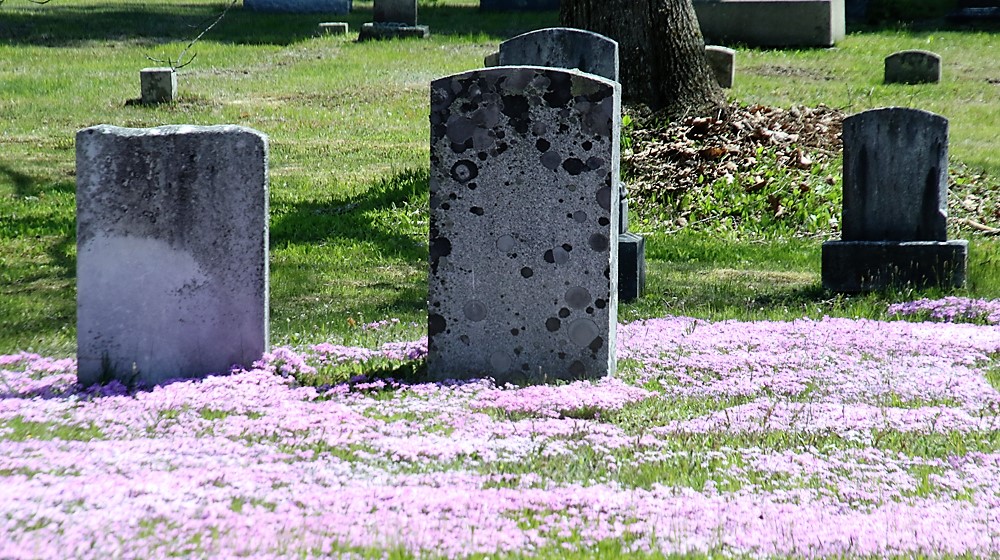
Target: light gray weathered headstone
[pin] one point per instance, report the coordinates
(172, 271)
(157, 85)
(913, 67)
(722, 61)
(524, 174)
(894, 224)
(563, 47)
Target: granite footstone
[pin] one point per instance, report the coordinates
(523, 270)
(172, 252)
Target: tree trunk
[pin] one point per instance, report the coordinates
(661, 51)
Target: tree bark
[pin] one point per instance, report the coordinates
(661, 52)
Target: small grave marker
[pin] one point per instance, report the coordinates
(895, 205)
(523, 270)
(157, 85)
(334, 28)
(393, 19)
(722, 61)
(913, 67)
(171, 251)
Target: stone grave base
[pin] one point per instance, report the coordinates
(631, 266)
(381, 30)
(772, 23)
(862, 266)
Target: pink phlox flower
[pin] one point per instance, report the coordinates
(414, 350)
(284, 361)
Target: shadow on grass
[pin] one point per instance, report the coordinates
(314, 221)
(61, 26)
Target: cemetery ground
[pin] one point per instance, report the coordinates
(754, 415)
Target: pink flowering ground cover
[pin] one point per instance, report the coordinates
(830, 438)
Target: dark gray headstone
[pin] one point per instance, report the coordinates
(172, 271)
(395, 11)
(895, 206)
(913, 67)
(523, 267)
(394, 19)
(299, 6)
(895, 176)
(518, 5)
(563, 47)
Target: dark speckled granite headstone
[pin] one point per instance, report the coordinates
(523, 270)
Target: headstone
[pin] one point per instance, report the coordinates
(334, 28)
(564, 47)
(172, 246)
(772, 23)
(523, 267)
(395, 11)
(976, 11)
(913, 67)
(299, 6)
(894, 224)
(157, 85)
(518, 5)
(722, 61)
(393, 19)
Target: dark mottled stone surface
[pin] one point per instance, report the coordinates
(913, 67)
(895, 176)
(172, 271)
(523, 278)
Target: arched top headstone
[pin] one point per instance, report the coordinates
(563, 47)
(913, 67)
(895, 176)
(523, 223)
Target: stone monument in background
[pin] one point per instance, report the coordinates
(894, 224)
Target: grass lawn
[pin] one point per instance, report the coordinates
(755, 414)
